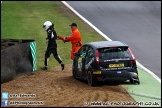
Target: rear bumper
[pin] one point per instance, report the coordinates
(121, 75)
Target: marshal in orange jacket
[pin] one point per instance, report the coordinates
(75, 39)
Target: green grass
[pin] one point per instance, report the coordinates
(24, 20)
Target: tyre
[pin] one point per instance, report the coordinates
(138, 82)
(134, 81)
(74, 73)
(91, 79)
(16, 40)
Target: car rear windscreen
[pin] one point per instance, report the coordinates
(114, 53)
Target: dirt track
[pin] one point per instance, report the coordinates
(59, 88)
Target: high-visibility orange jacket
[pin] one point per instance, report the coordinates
(76, 41)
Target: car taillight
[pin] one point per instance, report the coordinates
(98, 78)
(134, 59)
(132, 62)
(97, 57)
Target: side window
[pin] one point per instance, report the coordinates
(90, 52)
(82, 51)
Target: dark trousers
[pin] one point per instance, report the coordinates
(53, 51)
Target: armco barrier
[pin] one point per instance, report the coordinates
(18, 57)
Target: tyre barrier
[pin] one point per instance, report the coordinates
(18, 57)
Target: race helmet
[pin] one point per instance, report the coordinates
(47, 25)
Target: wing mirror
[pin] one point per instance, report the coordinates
(76, 54)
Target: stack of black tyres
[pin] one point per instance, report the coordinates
(9, 42)
(16, 58)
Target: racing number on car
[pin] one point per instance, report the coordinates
(79, 63)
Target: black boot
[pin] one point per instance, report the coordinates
(44, 68)
(62, 66)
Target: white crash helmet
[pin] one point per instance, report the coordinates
(47, 25)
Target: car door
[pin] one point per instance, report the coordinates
(89, 58)
(81, 59)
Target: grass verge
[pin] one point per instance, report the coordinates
(24, 20)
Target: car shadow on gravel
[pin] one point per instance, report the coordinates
(99, 84)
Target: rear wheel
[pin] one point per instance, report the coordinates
(134, 81)
(131, 81)
(74, 73)
(91, 79)
(138, 82)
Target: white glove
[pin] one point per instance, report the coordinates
(47, 41)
